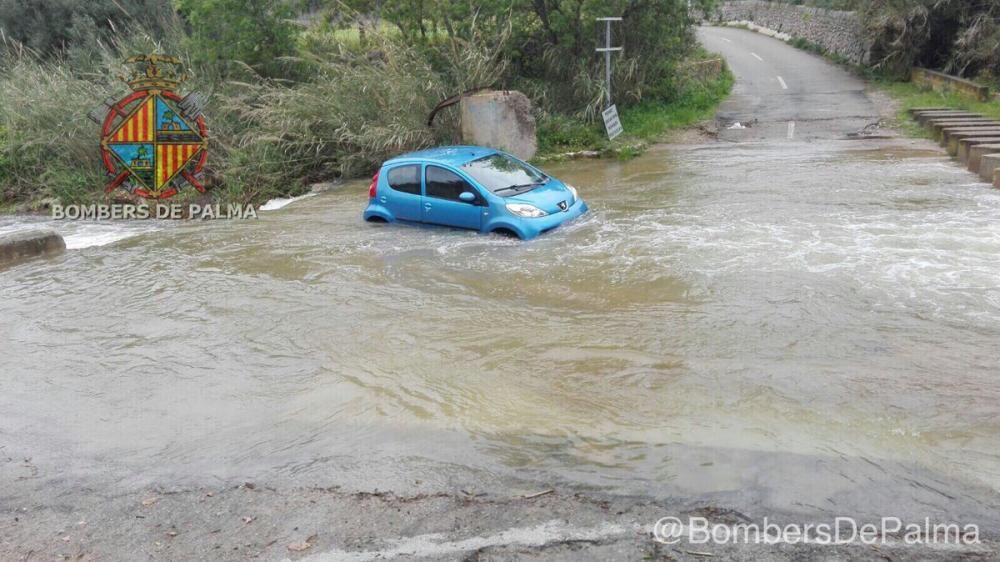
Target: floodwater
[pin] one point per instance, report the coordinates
(730, 321)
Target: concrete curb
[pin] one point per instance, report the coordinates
(954, 137)
(948, 83)
(976, 153)
(989, 166)
(20, 246)
(965, 147)
(937, 126)
(969, 137)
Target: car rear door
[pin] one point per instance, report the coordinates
(441, 204)
(404, 193)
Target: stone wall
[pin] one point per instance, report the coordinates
(838, 32)
(945, 83)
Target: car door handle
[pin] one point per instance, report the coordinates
(427, 205)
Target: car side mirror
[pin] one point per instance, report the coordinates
(467, 197)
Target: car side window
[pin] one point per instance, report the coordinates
(444, 184)
(405, 179)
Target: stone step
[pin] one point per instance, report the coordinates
(965, 145)
(989, 165)
(922, 118)
(948, 132)
(977, 151)
(938, 127)
(914, 110)
(954, 137)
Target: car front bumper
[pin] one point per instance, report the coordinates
(530, 228)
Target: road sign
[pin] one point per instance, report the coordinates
(611, 122)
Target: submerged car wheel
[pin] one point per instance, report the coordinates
(505, 232)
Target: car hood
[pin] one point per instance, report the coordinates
(546, 196)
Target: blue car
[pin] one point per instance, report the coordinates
(471, 187)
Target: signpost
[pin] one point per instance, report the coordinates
(611, 122)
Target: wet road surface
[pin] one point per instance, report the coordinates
(784, 93)
(800, 327)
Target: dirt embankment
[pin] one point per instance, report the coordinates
(258, 522)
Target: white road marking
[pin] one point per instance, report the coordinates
(726, 40)
(782, 82)
(438, 544)
(791, 129)
(757, 56)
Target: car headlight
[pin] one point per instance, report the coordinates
(573, 191)
(524, 210)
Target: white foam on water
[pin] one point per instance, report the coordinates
(439, 544)
(275, 204)
(100, 236)
(79, 235)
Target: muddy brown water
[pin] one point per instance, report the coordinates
(727, 321)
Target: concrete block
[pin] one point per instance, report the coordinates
(27, 244)
(948, 132)
(947, 83)
(977, 151)
(954, 136)
(937, 127)
(988, 166)
(930, 112)
(500, 119)
(965, 146)
(922, 118)
(915, 110)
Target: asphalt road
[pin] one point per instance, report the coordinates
(782, 92)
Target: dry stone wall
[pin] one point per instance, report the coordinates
(835, 31)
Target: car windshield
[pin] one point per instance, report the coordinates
(504, 175)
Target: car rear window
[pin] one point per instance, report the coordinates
(405, 179)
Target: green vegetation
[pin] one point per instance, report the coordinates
(256, 32)
(707, 82)
(958, 37)
(309, 90)
(910, 95)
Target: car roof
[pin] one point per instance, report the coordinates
(448, 155)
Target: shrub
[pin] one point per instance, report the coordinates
(258, 33)
(50, 146)
(359, 108)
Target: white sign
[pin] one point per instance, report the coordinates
(611, 122)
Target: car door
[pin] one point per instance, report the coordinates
(404, 193)
(441, 203)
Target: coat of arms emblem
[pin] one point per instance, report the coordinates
(153, 142)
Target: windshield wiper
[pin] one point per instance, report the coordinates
(521, 185)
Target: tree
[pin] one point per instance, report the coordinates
(56, 26)
(255, 32)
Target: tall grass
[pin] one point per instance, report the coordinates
(702, 82)
(361, 106)
(910, 95)
(357, 105)
(49, 146)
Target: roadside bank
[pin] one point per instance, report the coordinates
(705, 81)
(254, 521)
